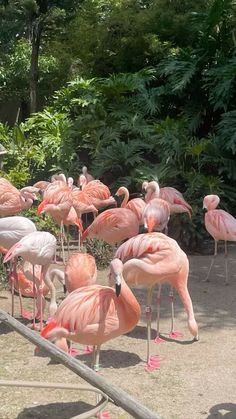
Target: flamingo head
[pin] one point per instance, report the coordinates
(210, 202)
(84, 170)
(150, 223)
(12, 252)
(41, 207)
(82, 182)
(116, 269)
(144, 185)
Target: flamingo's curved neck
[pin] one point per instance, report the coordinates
(125, 192)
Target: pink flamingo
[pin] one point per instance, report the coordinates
(155, 258)
(63, 214)
(156, 215)
(80, 271)
(113, 226)
(171, 195)
(99, 194)
(38, 248)
(177, 204)
(12, 200)
(13, 229)
(136, 205)
(94, 314)
(221, 226)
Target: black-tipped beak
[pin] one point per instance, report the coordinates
(118, 200)
(118, 289)
(64, 289)
(204, 210)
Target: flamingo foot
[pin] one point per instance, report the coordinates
(103, 415)
(73, 352)
(33, 326)
(158, 339)
(153, 363)
(175, 334)
(88, 349)
(26, 314)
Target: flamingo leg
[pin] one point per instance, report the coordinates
(62, 233)
(173, 333)
(158, 339)
(34, 301)
(153, 362)
(79, 240)
(16, 283)
(96, 357)
(148, 312)
(212, 263)
(68, 241)
(12, 289)
(226, 265)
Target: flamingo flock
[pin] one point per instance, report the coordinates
(92, 314)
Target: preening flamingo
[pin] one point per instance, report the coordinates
(38, 248)
(137, 205)
(113, 226)
(12, 200)
(156, 215)
(94, 314)
(220, 225)
(175, 198)
(13, 229)
(153, 258)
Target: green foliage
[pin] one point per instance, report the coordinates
(101, 251)
(43, 222)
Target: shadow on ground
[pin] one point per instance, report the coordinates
(223, 410)
(55, 411)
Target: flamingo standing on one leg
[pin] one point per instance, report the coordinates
(221, 226)
(38, 248)
(12, 229)
(151, 259)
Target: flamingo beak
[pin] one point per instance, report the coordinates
(118, 285)
(118, 200)
(8, 257)
(41, 207)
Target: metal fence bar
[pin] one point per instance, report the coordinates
(118, 396)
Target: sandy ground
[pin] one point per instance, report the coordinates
(196, 380)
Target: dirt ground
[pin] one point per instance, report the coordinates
(196, 380)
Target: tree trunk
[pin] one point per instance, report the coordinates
(34, 67)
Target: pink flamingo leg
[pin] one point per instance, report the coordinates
(212, 263)
(96, 352)
(158, 339)
(226, 265)
(173, 333)
(151, 364)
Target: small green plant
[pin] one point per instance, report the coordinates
(101, 251)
